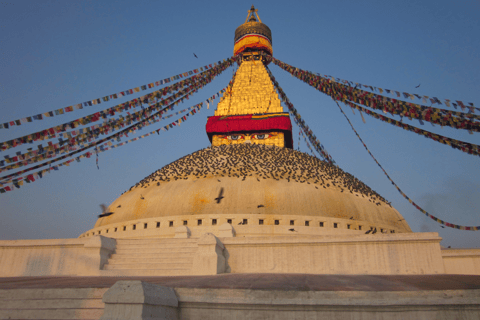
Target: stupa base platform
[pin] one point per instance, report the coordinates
(244, 296)
(341, 254)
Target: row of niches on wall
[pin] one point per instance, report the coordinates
(236, 222)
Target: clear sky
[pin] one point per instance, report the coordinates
(54, 54)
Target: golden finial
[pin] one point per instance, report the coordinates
(251, 14)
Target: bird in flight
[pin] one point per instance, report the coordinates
(418, 85)
(104, 211)
(195, 55)
(260, 206)
(220, 196)
(292, 230)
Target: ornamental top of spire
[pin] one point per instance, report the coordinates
(253, 35)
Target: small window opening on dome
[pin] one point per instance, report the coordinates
(124, 228)
(392, 231)
(99, 231)
(199, 222)
(106, 231)
(348, 226)
(277, 222)
(134, 227)
(214, 222)
(321, 224)
(382, 230)
(145, 226)
(307, 223)
(229, 221)
(170, 224)
(292, 222)
(158, 224)
(335, 225)
(185, 222)
(260, 222)
(115, 230)
(359, 227)
(245, 221)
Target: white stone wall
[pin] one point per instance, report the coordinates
(461, 261)
(408, 253)
(54, 257)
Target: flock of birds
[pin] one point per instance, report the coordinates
(261, 162)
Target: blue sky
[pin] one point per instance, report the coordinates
(57, 53)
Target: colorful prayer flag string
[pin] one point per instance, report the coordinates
(97, 101)
(466, 147)
(443, 117)
(298, 119)
(433, 100)
(16, 183)
(448, 224)
(51, 132)
(116, 135)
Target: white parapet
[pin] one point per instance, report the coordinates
(76, 257)
(402, 253)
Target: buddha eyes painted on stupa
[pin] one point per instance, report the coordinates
(270, 138)
(253, 136)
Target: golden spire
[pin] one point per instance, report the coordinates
(252, 16)
(252, 92)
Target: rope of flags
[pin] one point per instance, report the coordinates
(330, 88)
(82, 135)
(98, 101)
(105, 146)
(305, 139)
(56, 149)
(466, 147)
(448, 224)
(117, 135)
(78, 137)
(301, 123)
(441, 117)
(149, 98)
(425, 99)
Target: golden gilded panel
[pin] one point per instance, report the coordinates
(266, 138)
(252, 92)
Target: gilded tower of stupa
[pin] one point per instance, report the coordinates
(250, 110)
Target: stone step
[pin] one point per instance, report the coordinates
(65, 293)
(160, 245)
(52, 304)
(148, 250)
(144, 272)
(129, 260)
(153, 266)
(56, 313)
(155, 240)
(141, 256)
